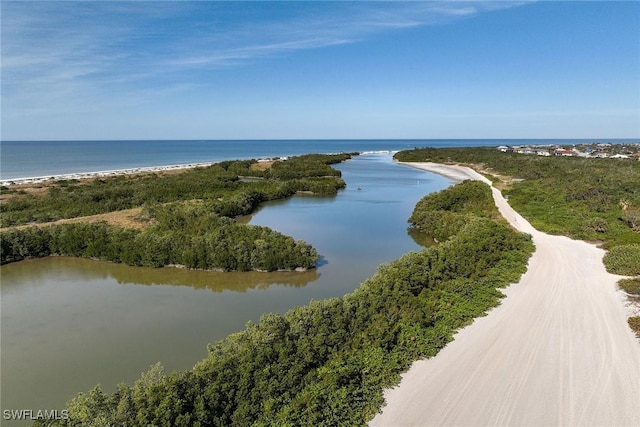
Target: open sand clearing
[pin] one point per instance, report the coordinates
(557, 351)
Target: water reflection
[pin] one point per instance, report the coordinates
(421, 238)
(216, 281)
(34, 272)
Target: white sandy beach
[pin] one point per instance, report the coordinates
(557, 351)
(100, 174)
(129, 171)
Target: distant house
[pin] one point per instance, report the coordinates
(564, 152)
(523, 150)
(619, 156)
(543, 153)
(503, 148)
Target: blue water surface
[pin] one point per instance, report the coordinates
(22, 159)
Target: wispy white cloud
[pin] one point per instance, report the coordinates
(87, 55)
(237, 56)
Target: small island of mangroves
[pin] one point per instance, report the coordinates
(186, 219)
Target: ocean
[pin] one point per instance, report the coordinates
(27, 159)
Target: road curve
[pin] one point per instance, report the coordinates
(557, 351)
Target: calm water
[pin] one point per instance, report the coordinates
(68, 324)
(20, 159)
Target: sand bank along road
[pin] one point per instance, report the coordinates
(557, 351)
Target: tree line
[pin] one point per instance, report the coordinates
(193, 236)
(327, 363)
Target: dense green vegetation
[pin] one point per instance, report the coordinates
(191, 215)
(630, 286)
(587, 199)
(327, 363)
(624, 260)
(192, 236)
(445, 213)
(634, 324)
(221, 183)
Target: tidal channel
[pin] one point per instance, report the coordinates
(69, 324)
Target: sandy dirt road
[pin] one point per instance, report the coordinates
(557, 351)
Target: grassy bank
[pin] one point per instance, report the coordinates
(327, 363)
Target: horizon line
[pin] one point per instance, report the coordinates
(319, 139)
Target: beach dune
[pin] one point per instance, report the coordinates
(557, 351)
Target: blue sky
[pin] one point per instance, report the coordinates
(270, 70)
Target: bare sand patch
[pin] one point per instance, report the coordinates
(127, 218)
(557, 351)
(261, 165)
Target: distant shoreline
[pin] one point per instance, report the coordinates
(100, 174)
(136, 170)
(453, 172)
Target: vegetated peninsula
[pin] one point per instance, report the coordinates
(327, 363)
(184, 219)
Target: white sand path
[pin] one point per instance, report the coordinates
(557, 351)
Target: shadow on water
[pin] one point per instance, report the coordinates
(421, 238)
(321, 262)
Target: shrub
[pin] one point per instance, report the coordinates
(630, 286)
(634, 324)
(624, 260)
(597, 225)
